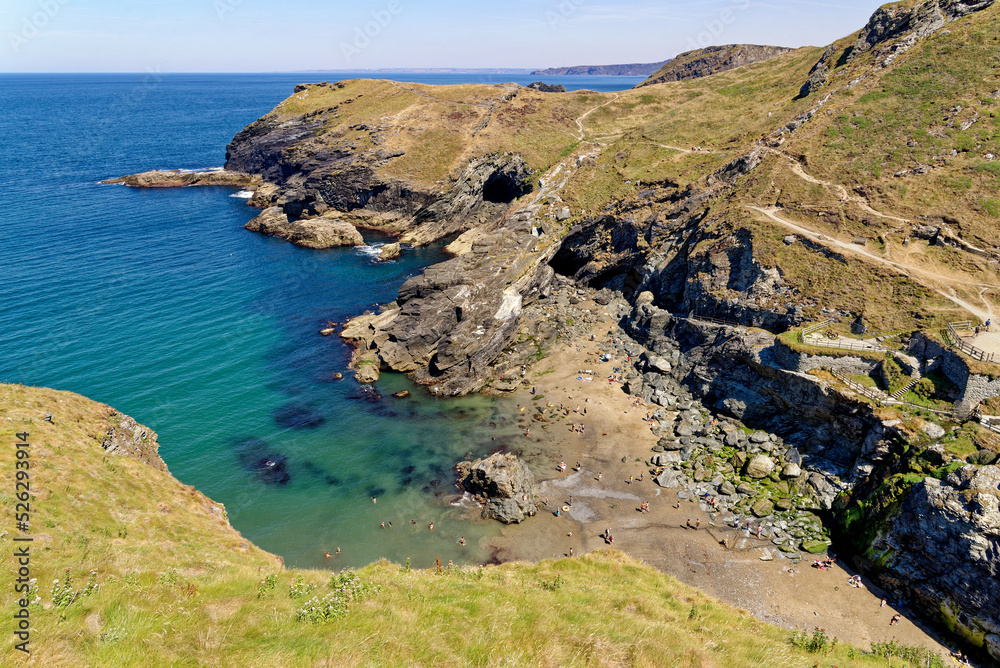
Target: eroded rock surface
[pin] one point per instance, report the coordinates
(503, 483)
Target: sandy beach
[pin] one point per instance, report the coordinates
(611, 450)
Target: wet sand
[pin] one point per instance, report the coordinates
(779, 591)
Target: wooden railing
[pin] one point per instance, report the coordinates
(729, 323)
(957, 341)
(874, 395)
(806, 331)
(848, 345)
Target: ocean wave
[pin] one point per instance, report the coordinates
(371, 250)
(243, 194)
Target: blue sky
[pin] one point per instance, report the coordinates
(259, 36)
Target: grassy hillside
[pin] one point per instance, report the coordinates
(150, 574)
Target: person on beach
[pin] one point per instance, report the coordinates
(599, 474)
(383, 525)
(697, 524)
(338, 550)
(431, 526)
(895, 620)
(327, 554)
(461, 540)
(687, 524)
(374, 500)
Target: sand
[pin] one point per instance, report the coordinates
(778, 591)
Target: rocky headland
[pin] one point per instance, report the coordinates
(757, 220)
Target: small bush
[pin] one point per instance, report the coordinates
(817, 642)
(917, 656)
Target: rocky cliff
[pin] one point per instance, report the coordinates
(712, 60)
(629, 70)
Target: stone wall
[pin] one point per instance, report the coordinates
(974, 387)
(790, 360)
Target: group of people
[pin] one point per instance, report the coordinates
(827, 564)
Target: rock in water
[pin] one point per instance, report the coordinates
(389, 252)
(503, 483)
(296, 416)
(310, 232)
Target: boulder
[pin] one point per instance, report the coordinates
(503, 484)
(745, 489)
(762, 508)
(659, 364)
(759, 466)
(759, 437)
(790, 470)
(309, 232)
(367, 366)
(669, 479)
(389, 252)
(727, 488)
(815, 546)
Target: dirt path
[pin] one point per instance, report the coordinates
(579, 121)
(599, 496)
(939, 283)
(842, 191)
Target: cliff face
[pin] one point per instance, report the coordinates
(711, 60)
(629, 70)
(942, 550)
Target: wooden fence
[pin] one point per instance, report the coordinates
(957, 341)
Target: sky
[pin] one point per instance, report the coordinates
(298, 35)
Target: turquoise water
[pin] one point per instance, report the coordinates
(160, 304)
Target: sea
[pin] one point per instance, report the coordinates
(158, 303)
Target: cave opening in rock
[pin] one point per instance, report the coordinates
(503, 188)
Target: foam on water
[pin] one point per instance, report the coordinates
(243, 194)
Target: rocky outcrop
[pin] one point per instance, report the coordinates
(321, 232)
(389, 252)
(817, 75)
(942, 551)
(547, 88)
(128, 438)
(503, 484)
(909, 22)
(712, 60)
(159, 178)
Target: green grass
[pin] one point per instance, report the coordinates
(150, 574)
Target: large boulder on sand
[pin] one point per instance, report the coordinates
(308, 232)
(503, 483)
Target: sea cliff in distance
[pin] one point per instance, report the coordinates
(627, 70)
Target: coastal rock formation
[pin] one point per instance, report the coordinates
(318, 232)
(389, 252)
(503, 484)
(910, 22)
(547, 88)
(158, 178)
(711, 60)
(627, 70)
(128, 438)
(942, 551)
